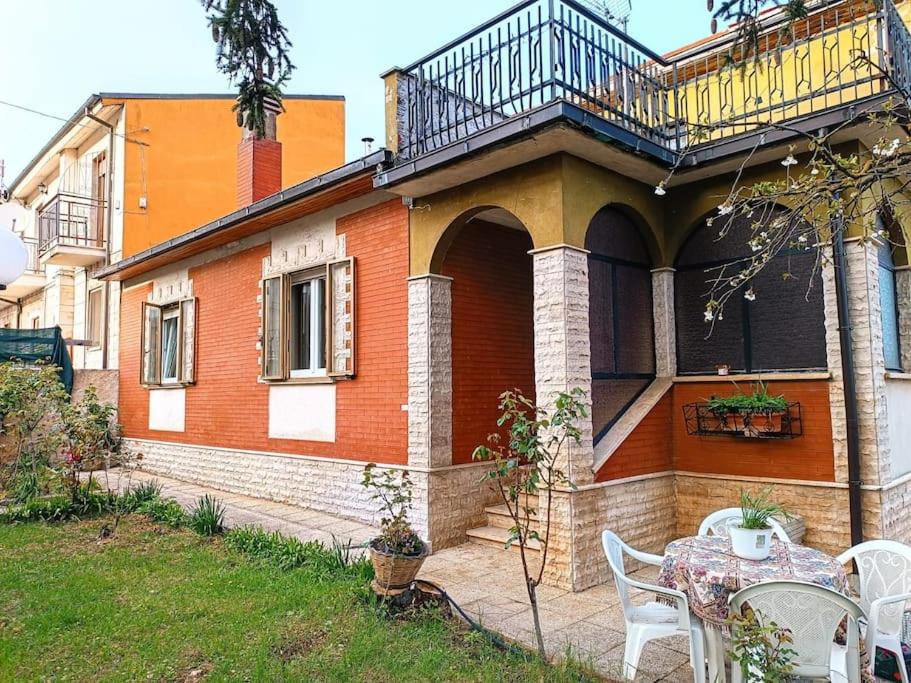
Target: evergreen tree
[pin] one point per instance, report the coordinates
(252, 50)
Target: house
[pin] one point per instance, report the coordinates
(125, 172)
(509, 235)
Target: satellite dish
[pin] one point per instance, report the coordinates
(616, 12)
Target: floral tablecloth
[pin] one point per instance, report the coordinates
(706, 569)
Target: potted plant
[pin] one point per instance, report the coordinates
(755, 414)
(398, 552)
(751, 536)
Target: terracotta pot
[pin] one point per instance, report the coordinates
(732, 422)
(767, 423)
(394, 572)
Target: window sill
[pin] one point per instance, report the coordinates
(175, 385)
(755, 377)
(898, 376)
(300, 380)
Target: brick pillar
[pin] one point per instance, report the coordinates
(665, 322)
(429, 371)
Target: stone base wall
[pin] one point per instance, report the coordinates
(641, 512)
(104, 381)
(823, 508)
(894, 505)
(447, 501)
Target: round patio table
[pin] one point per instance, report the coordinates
(706, 569)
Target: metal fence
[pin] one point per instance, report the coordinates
(71, 220)
(32, 264)
(541, 51)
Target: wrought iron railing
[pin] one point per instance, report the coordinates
(71, 220)
(541, 51)
(33, 265)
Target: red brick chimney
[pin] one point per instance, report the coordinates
(259, 163)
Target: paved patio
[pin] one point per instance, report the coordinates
(485, 581)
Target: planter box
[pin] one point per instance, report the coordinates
(702, 421)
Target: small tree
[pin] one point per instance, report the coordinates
(529, 464)
(31, 398)
(92, 439)
(252, 50)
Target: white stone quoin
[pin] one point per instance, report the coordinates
(429, 371)
(562, 347)
(665, 322)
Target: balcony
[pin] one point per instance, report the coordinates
(32, 279)
(71, 231)
(546, 51)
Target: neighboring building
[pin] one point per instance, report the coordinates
(510, 236)
(129, 171)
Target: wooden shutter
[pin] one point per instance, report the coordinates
(340, 318)
(273, 348)
(186, 373)
(150, 372)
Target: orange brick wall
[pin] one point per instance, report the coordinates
(648, 449)
(228, 408)
(492, 328)
(663, 433)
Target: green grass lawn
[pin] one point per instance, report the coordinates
(164, 605)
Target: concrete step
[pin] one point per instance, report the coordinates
(498, 515)
(496, 537)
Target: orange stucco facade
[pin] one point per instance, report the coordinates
(181, 156)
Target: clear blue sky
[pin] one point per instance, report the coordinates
(54, 53)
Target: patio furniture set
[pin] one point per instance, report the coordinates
(835, 622)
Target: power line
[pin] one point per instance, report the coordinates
(72, 121)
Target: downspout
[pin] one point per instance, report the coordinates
(109, 222)
(855, 507)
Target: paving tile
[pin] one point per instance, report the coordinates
(656, 661)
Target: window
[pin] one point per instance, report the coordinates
(888, 291)
(307, 333)
(169, 343)
(94, 313)
(308, 323)
(36, 323)
(783, 329)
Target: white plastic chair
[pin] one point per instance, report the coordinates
(716, 524)
(652, 620)
(812, 614)
(884, 584)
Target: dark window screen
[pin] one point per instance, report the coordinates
(782, 329)
(620, 316)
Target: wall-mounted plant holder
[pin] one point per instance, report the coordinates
(702, 420)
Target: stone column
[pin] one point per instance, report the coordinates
(903, 294)
(562, 349)
(429, 371)
(665, 322)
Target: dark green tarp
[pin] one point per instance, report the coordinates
(45, 345)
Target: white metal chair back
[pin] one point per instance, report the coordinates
(883, 571)
(716, 524)
(812, 614)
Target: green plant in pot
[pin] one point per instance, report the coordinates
(751, 535)
(754, 414)
(398, 552)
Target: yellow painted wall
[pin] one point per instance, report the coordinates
(187, 167)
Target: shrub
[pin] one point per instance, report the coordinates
(207, 517)
(165, 510)
(85, 503)
(136, 496)
(394, 495)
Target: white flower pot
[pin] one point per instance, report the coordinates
(750, 544)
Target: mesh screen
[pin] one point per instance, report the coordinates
(787, 320)
(44, 345)
(724, 343)
(610, 397)
(636, 347)
(601, 316)
(613, 234)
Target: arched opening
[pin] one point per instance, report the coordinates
(621, 325)
(492, 322)
(782, 329)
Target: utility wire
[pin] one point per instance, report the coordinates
(73, 121)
